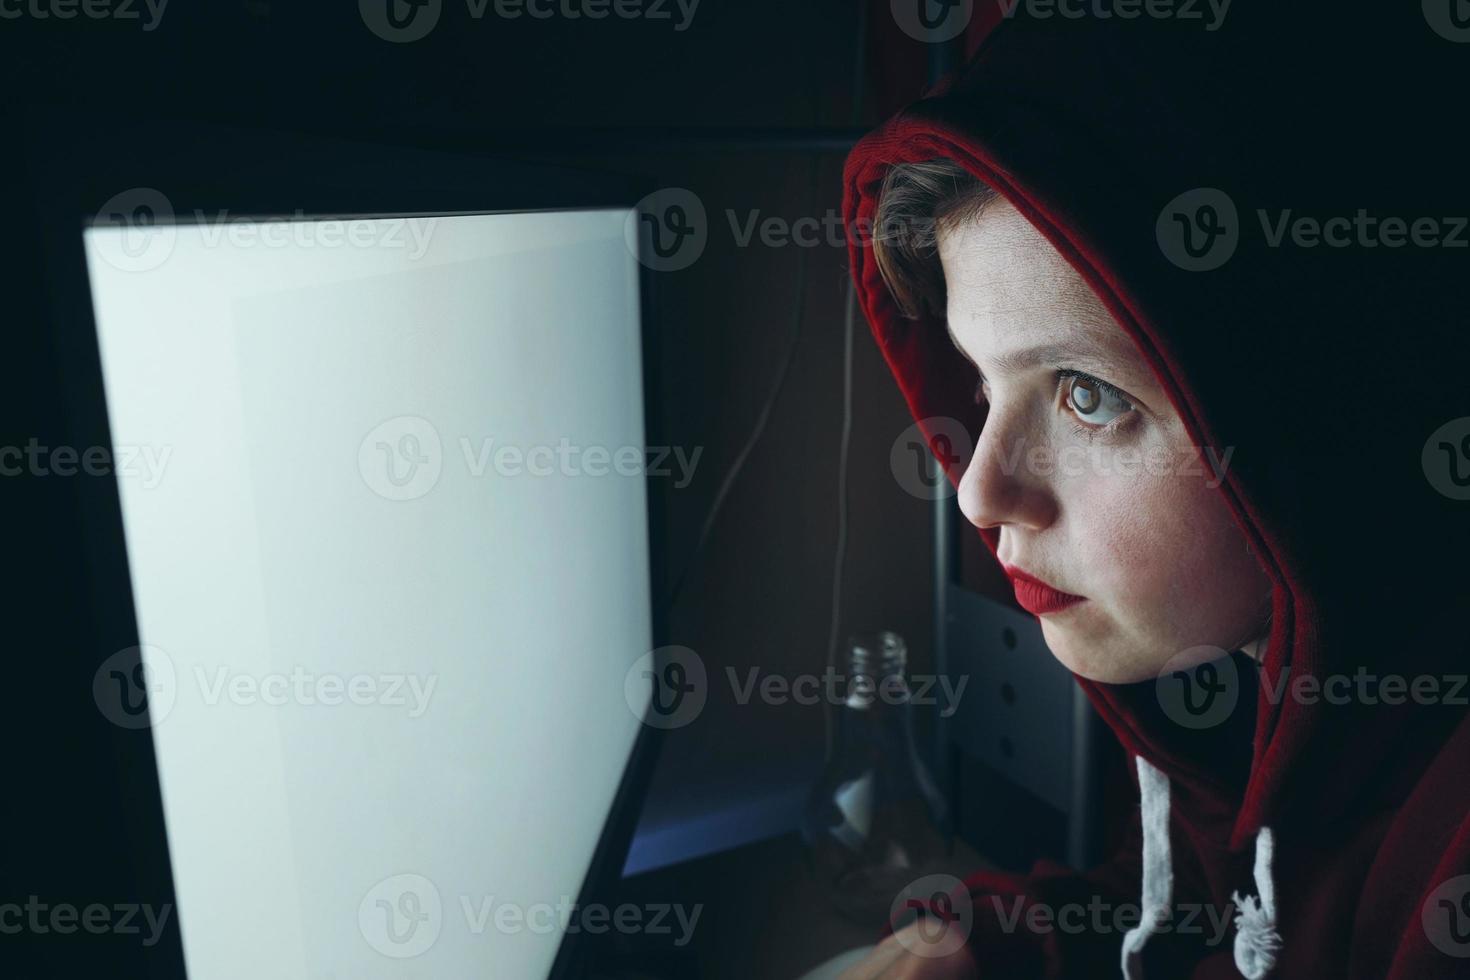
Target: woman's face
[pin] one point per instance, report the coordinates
(1096, 490)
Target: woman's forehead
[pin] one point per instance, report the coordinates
(1013, 302)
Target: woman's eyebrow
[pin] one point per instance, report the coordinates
(1084, 354)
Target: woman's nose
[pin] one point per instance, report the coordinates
(1001, 484)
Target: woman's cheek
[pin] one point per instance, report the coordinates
(1145, 547)
(1126, 557)
(1195, 582)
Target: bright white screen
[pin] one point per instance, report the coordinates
(260, 379)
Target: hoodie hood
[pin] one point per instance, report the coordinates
(1170, 165)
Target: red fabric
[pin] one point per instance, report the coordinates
(1325, 370)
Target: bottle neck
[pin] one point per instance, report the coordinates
(876, 665)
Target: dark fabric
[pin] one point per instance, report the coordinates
(1324, 369)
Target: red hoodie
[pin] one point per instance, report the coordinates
(1322, 816)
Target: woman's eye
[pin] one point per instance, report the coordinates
(1092, 401)
(1095, 402)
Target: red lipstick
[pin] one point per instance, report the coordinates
(1037, 597)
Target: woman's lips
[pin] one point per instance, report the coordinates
(1037, 597)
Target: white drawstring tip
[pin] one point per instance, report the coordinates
(1257, 943)
(1256, 939)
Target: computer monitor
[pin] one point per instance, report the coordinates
(382, 513)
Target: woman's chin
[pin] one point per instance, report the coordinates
(1087, 656)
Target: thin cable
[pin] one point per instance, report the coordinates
(842, 501)
(845, 442)
(859, 68)
(765, 412)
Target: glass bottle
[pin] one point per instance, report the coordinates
(875, 820)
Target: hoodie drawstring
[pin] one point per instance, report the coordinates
(1158, 867)
(1256, 940)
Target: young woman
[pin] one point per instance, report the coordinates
(1177, 298)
